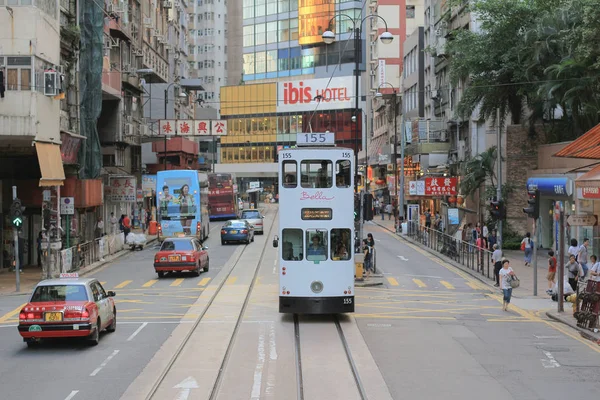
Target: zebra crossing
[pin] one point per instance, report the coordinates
(407, 282)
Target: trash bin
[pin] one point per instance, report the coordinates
(153, 228)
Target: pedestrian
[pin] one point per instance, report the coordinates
(376, 206)
(428, 218)
(126, 224)
(368, 252)
(113, 223)
(574, 271)
(574, 249)
(148, 218)
(121, 227)
(388, 210)
(582, 256)
(99, 230)
(370, 239)
(527, 246)
(551, 271)
(39, 249)
(485, 233)
(595, 270)
(506, 275)
(497, 260)
(492, 239)
(143, 220)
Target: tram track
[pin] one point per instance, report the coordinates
(215, 390)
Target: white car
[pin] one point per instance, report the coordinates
(255, 218)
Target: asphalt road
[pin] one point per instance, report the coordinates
(148, 310)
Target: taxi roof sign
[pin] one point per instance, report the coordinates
(70, 275)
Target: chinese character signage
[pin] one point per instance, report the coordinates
(441, 186)
(123, 190)
(192, 127)
(148, 184)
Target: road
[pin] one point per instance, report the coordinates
(429, 330)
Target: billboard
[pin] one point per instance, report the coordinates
(313, 20)
(299, 95)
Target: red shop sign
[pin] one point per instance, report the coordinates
(441, 186)
(590, 192)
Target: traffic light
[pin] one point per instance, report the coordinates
(16, 215)
(496, 210)
(46, 218)
(368, 207)
(356, 206)
(533, 204)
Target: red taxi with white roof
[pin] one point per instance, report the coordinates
(68, 307)
(181, 254)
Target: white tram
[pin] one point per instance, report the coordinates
(316, 227)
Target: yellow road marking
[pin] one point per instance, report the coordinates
(400, 317)
(393, 281)
(12, 313)
(231, 281)
(150, 283)
(122, 284)
(473, 285)
(447, 285)
(419, 283)
(103, 283)
(177, 282)
(204, 282)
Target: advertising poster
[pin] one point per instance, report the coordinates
(177, 203)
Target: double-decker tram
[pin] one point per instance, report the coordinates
(316, 227)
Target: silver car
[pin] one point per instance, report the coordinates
(254, 218)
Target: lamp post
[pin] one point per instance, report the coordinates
(400, 204)
(166, 103)
(329, 37)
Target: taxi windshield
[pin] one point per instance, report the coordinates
(250, 215)
(177, 245)
(59, 293)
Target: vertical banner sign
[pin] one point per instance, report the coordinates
(381, 72)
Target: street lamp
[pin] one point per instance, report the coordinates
(401, 194)
(181, 95)
(329, 37)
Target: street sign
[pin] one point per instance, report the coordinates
(67, 205)
(254, 185)
(582, 220)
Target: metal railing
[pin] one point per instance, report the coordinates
(467, 254)
(84, 254)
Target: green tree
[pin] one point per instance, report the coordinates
(478, 170)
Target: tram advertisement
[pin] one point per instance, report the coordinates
(177, 202)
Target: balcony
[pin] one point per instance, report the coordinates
(154, 61)
(28, 115)
(111, 84)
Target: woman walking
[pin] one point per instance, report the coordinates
(527, 246)
(506, 274)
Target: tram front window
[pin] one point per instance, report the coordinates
(289, 174)
(342, 173)
(316, 174)
(316, 249)
(340, 244)
(292, 244)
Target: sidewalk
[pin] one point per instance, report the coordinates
(31, 274)
(523, 296)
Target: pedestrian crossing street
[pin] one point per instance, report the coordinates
(407, 282)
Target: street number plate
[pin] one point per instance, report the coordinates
(174, 258)
(52, 316)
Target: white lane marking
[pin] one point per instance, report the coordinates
(550, 361)
(155, 322)
(8, 326)
(72, 394)
(274, 266)
(186, 387)
(260, 362)
(546, 337)
(114, 353)
(272, 367)
(272, 343)
(403, 258)
(138, 330)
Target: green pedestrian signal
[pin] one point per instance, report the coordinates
(17, 221)
(16, 214)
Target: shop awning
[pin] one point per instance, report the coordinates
(586, 146)
(51, 164)
(589, 179)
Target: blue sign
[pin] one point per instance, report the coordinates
(558, 186)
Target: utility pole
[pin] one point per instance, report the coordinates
(499, 162)
(536, 229)
(16, 239)
(561, 262)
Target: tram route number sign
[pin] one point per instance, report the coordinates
(311, 214)
(315, 139)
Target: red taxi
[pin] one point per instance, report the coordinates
(181, 254)
(68, 307)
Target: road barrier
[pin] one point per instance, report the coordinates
(87, 253)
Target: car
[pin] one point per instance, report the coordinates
(237, 230)
(66, 308)
(255, 218)
(181, 254)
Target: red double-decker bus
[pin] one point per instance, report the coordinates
(222, 196)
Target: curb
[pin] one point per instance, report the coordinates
(369, 284)
(86, 270)
(583, 332)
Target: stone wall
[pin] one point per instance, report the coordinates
(521, 157)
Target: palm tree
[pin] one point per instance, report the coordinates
(478, 170)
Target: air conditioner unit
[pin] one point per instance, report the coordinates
(440, 47)
(144, 130)
(60, 69)
(50, 83)
(139, 53)
(128, 118)
(128, 130)
(167, 4)
(110, 8)
(147, 21)
(434, 94)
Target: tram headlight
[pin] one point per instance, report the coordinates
(316, 286)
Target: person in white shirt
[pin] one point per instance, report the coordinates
(506, 274)
(595, 270)
(497, 261)
(99, 227)
(113, 223)
(574, 249)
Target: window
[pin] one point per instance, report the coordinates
(18, 73)
(316, 174)
(342, 173)
(410, 11)
(177, 245)
(59, 293)
(272, 61)
(272, 32)
(260, 6)
(340, 244)
(260, 62)
(284, 30)
(291, 244)
(294, 26)
(248, 35)
(316, 244)
(290, 176)
(271, 7)
(259, 36)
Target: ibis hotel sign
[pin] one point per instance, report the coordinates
(304, 95)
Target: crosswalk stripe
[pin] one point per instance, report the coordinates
(419, 283)
(392, 281)
(447, 285)
(122, 284)
(11, 314)
(177, 282)
(150, 283)
(231, 281)
(103, 283)
(203, 281)
(473, 285)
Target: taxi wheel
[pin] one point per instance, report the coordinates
(161, 274)
(94, 338)
(206, 266)
(113, 326)
(197, 270)
(222, 242)
(32, 343)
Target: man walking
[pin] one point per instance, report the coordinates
(113, 223)
(582, 256)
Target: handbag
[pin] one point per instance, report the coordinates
(515, 282)
(523, 246)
